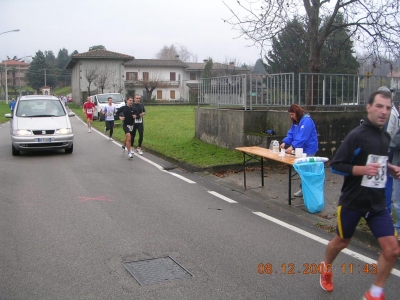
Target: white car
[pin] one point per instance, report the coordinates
(101, 100)
(40, 122)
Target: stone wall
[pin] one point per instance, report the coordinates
(230, 128)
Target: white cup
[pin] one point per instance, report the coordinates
(298, 152)
(304, 155)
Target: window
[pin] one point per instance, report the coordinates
(172, 76)
(145, 76)
(192, 76)
(132, 76)
(172, 94)
(159, 95)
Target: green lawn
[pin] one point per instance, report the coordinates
(169, 130)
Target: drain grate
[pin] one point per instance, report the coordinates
(156, 270)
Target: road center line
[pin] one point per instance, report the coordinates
(222, 197)
(321, 240)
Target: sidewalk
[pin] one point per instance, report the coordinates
(275, 193)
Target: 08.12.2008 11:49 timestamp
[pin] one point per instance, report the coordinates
(307, 268)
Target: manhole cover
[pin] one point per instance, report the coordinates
(156, 270)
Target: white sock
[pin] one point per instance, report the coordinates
(376, 291)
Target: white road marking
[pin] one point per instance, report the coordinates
(321, 240)
(272, 219)
(222, 197)
(140, 156)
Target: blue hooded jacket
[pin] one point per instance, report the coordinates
(303, 135)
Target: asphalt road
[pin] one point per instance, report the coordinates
(69, 222)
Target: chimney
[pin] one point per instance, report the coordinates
(205, 60)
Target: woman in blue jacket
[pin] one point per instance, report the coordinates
(302, 134)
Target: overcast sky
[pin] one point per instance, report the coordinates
(134, 27)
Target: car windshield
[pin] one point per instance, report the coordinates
(40, 108)
(117, 98)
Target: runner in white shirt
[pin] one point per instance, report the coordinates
(109, 112)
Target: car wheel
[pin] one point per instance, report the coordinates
(69, 150)
(15, 152)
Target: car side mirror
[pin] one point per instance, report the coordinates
(71, 114)
(8, 116)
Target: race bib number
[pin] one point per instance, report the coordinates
(130, 127)
(140, 120)
(379, 180)
(110, 114)
(89, 111)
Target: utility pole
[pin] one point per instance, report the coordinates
(45, 84)
(6, 83)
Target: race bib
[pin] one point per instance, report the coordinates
(110, 114)
(130, 127)
(89, 111)
(379, 180)
(140, 120)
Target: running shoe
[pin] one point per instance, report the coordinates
(326, 281)
(368, 296)
(299, 193)
(130, 154)
(139, 150)
(89, 130)
(123, 150)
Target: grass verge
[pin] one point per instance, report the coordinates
(170, 131)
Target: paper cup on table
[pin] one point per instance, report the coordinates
(298, 152)
(304, 155)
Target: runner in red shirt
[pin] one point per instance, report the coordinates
(88, 109)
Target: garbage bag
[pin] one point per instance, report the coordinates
(312, 176)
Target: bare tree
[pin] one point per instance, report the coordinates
(154, 81)
(172, 52)
(103, 79)
(91, 75)
(372, 24)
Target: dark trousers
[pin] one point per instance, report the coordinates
(140, 128)
(110, 126)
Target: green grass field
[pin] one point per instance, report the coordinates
(170, 130)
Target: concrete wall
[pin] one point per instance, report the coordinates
(229, 128)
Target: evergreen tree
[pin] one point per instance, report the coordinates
(290, 50)
(64, 76)
(207, 71)
(35, 74)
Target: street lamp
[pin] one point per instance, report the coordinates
(15, 30)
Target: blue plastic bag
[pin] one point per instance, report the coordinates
(312, 176)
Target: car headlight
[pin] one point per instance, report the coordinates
(22, 132)
(64, 131)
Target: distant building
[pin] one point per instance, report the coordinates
(16, 71)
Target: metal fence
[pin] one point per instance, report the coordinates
(253, 90)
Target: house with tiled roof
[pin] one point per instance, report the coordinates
(97, 71)
(163, 77)
(16, 72)
(173, 80)
(169, 80)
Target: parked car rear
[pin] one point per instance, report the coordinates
(40, 122)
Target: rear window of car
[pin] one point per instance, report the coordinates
(40, 108)
(117, 98)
